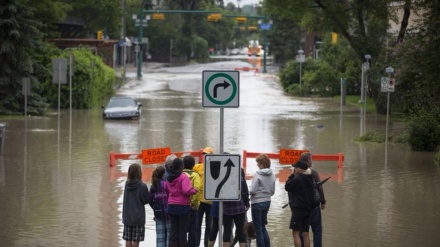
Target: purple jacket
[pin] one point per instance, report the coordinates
(180, 190)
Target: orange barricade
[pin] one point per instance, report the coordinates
(139, 156)
(316, 157)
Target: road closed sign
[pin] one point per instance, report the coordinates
(155, 155)
(290, 156)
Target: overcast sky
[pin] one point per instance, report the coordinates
(243, 2)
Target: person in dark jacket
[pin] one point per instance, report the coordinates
(159, 204)
(300, 186)
(133, 207)
(316, 221)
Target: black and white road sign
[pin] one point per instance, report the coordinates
(220, 89)
(222, 177)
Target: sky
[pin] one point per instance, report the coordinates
(243, 2)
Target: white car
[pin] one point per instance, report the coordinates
(122, 107)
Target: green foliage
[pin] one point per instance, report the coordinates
(20, 42)
(90, 84)
(372, 137)
(424, 131)
(200, 50)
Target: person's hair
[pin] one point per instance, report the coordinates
(169, 160)
(263, 160)
(176, 166)
(157, 176)
(189, 162)
(134, 172)
(306, 157)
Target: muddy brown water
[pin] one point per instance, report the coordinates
(57, 189)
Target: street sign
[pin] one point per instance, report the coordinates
(26, 86)
(59, 70)
(391, 85)
(222, 177)
(290, 156)
(387, 84)
(265, 26)
(155, 155)
(220, 89)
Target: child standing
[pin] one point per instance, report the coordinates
(159, 204)
(179, 190)
(133, 210)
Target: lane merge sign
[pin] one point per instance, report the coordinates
(221, 89)
(222, 177)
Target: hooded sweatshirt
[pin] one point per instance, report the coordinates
(179, 189)
(263, 186)
(300, 188)
(135, 197)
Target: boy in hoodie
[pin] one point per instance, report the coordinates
(133, 207)
(300, 186)
(261, 190)
(179, 190)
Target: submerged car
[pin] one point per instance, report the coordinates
(122, 107)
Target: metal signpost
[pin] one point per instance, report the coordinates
(222, 177)
(300, 58)
(221, 89)
(389, 88)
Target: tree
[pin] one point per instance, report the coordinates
(20, 42)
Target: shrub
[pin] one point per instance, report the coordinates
(424, 132)
(372, 137)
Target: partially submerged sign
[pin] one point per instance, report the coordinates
(155, 155)
(290, 156)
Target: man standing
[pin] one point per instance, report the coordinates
(205, 206)
(316, 222)
(300, 187)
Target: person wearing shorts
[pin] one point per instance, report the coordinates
(301, 200)
(133, 207)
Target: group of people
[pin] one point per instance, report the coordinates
(176, 198)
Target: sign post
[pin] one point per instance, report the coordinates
(221, 89)
(222, 177)
(389, 70)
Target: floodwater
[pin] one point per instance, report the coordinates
(57, 189)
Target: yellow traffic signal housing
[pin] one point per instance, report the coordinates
(241, 19)
(218, 16)
(252, 28)
(334, 38)
(158, 16)
(99, 35)
(213, 17)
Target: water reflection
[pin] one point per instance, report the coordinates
(62, 192)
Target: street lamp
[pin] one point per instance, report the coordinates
(265, 26)
(300, 58)
(365, 68)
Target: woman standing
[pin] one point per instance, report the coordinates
(179, 191)
(159, 204)
(262, 188)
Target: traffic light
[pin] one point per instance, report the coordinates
(241, 19)
(252, 28)
(99, 35)
(158, 16)
(334, 38)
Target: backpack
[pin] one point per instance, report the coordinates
(316, 195)
(160, 203)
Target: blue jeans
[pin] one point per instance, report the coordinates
(316, 225)
(204, 209)
(192, 229)
(259, 218)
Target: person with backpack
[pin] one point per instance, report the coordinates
(159, 204)
(188, 164)
(316, 219)
(303, 198)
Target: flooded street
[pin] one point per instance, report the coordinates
(57, 188)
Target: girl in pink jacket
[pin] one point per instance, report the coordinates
(179, 192)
